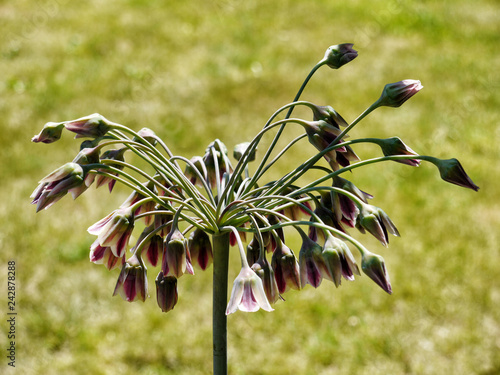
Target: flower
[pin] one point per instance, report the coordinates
(340, 54)
(110, 155)
(200, 248)
(132, 283)
(92, 126)
(114, 230)
(103, 255)
(248, 293)
(373, 265)
(311, 263)
(452, 171)
(166, 292)
(240, 149)
(68, 178)
(321, 135)
(176, 257)
(51, 132)
(148, 135)
(344, 207)
(376, 221)
(216, 162)
(198, 163)
(395, 94)
(152, 247)
(148, 205)
(263, 269)
(338, 260)
(286, 268)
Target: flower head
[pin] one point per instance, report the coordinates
(114, 230)
(395, 94)
(51, 132)
(248, 293)
(339, 55)
(132, 283)
(373, 265)
(166, 292)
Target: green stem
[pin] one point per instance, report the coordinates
(219, 333)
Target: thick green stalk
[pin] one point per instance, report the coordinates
(220, 265)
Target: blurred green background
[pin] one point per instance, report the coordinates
(198, 70)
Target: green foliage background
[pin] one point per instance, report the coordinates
(198, 70)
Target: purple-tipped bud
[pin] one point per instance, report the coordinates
(176, 257)
(311, 263)
(133, 282)
(248, 293)
(373, 265)
(263, 269)
(395, 146)
(376, 221)
(286, 268)
(51, 132)
(92, 126)
(395, 94)
(452, 171)
(200, 248)
(166, 292)
(339, 55)
(239, 151)
(114, 230)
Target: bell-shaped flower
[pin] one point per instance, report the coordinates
(395, 94)
(176, 257)
(339, 260)
(344, 208)
(51, 132)
(452, 171)
(114, 230)
(92, 126)
(200, 248)
(263, 269)
(68, 178)
(166, 292)
(321, 134)
(216, 160)
(329, 115)
(248, 293)
(311, 263)
(395, 146)
(153, 246)
(163, 222)
(285, 267)
(295, 211)
(373, 265)
(103, 255)
(328, 218)
(339, 55)
(133, 282)
(110, 155)
(376, 221)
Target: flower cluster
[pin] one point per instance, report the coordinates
(179, 203)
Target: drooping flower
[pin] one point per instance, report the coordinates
(166, 292)
(110, 155)
(200, 248)
(263, 269)
(286, 268)
(311, 263)
(339, 260)
(152, 247)
(376, 221)
(148, 205)
(395, 94)
(92, 126)
(148, 135)
(248, 293)
(343, 206)
(216, 160)
(51, 132)
(114, 230)
(68, 178)
(103, 255)
(339, 55)
(132, 283)
(373, 265)
(176, 257)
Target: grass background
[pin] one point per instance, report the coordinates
(197, 70)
